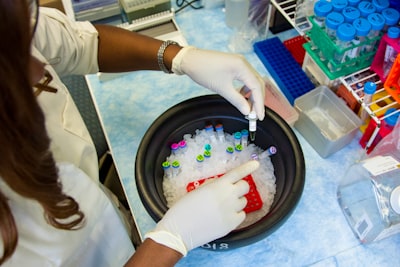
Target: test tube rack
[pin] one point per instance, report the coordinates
(323, 44)
(363, 76)
(284, 69)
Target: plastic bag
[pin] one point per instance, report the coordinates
(390, 144)
(254, 30)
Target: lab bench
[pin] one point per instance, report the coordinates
(316, 234)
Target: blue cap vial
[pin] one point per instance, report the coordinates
(362, 26)
(322, 8)
(350, 14)
(377, 21)
(339, 5)
(346, 32)
(380, 4)
(333, 20)
(390, 118)
(393, 32)
(353, 2)
(391, 16)
(366, 8)
(369, 88)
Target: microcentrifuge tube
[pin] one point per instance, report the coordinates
(174, 148)
(254, 156)
(207, 154)
(252, 125)
(237, 137)
(182, 146)
(210, 133)
(269, 152)
(238, 149)
(175, 168)
(199, 161)
(229, 153)
(167, 169)
(220, 132)
(245, 137)
(207, 147)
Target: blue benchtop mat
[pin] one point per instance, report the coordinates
(316, 234)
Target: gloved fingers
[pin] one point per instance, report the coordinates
(240, 204)
(237, 99)
(254, 83)
(241, 188)
(243, 170)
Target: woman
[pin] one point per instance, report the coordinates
(53, 212)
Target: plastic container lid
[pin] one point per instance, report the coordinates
(395, 200)
(322, 8)
(377, 21)
(338, 5)
(380, 4)
(346, 32)
(351, 13)
(391, 16)
(393, 32)
(366, 8)
(369, 88)
(334, 19)
(362, 26)
(391, 119)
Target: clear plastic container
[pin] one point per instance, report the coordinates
(390, 52)
(236, 13)
(369, 196)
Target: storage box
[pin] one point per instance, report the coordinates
(325, 121)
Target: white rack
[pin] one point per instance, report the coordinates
(301, 24)
(288, 10)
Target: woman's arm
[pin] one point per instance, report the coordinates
(121, 50)
(152, 254)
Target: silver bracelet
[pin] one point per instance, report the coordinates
(160, 55)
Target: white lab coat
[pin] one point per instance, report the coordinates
(69, 48)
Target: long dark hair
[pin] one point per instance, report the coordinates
(26, 164)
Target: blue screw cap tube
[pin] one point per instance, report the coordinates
(332, 22)
(339, 5)
(321, 10)
(366, 8)
(391, 16)
(350, 14)
(369, 90)
(362, 27)
(345, 34)
(380, 4)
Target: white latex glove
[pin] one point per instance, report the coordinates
(207, 213)
(217, 71)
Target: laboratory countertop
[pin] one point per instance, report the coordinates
(316, 233)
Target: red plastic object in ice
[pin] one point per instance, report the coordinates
(254, 201)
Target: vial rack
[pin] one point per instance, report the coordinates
(363, 76)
